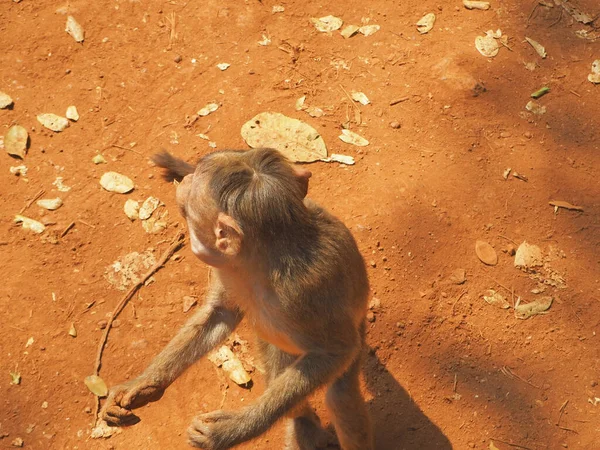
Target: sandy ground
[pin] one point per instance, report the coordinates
(444, 369)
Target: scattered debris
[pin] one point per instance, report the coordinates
(103, 430)
(496, 299)
(399, 100)
(266, 40)
(395, 125)
(506, 173)
(566, 205)
(539, 48)
(350, 137)
(131, 209)
(486, 253)
(469, 4)
(148, 207)
(327, 24)
(520, 176)
(535, 108)
(99, 159)
(360, 97)
(528, 256)
(96, 385)
(540, 306)
(125, 271)
(60, 186)
(74, 29)
(578, 15)
(425, 24)
(29, 342)
(18, 170)
(16, 141)
(458, 276)
(50, 203)
(540, 92)
(210, 108)
(594, 77)
(115, 182)
(349, 31)
(223, 66)
(595, 401)
(488, 45)
(492, 446)
(314, 111)
(156, 223)
(342, 159)
(368, 30)
(189, 302)
(5, 100)
(297, 140)
(17, 442)
(300, 103)
(277, 9)
(30, 224)
(231, 365)
(72, 330)
(15, 378)
(72, 113)
(53, 122)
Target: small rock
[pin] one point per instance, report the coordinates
(30, 224)
(18, 170)
(116, 323)
(459, 276)
(87, 410)
(486, 253)
(131, 209)
(102, 324)
(115, 182)
(370, 317)
(528, 256)
(188, 303)
(16, 140)
(148, 207)
(17, 442)
(395, 125)
(375, 304)
(72, 113)
(72, 330)
(99, 159)
(5, 100)
(373, 264)
(510, 250)
(178, 59)
(50, 203)
(53, 122)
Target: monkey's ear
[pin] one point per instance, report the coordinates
(228, 235)
(302, 175)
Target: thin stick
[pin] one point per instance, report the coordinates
(175, 244)
(562, 410)
(510, 374)
(459, 297)
(30, 202)
(511, 444)
(455, 382)
(85, 223)
(575, 93)
(400, 100)
(66, 230)
(508, 239)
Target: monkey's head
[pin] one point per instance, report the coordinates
(236, 201)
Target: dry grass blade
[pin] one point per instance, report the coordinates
(170, 18)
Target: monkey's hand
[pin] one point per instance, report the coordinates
(219, 430)
(125, 397)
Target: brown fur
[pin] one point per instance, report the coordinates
(295, 271)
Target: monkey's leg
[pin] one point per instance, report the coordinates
(350, 415)
(304, 431)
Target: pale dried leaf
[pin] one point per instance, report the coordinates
(30, 224)
(16, 140)
(360, 97)
(300, 103)
(53, 122)
(425, 24)
(72, 113)
(469, 4)
(148, 207)
(96, 385)
(486, 253)
(526, 310)
(223, 66)
(594, 77)
(297, 140)
(351, 137)
(496, 299)
(368, 30)
(349, 31)
(115, 182)
(487, 45)
(74, 29)
(314, 111)
(327, 24)
(539, 48)
(132, 208)
(210, 108)
(5, 100)
(99, 159)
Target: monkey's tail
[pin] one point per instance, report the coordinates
(175, 168)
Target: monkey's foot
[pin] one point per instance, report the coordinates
(217, 430)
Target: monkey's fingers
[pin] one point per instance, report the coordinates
(117, 416)
(214, 416)
(137, 398)
(199, 435)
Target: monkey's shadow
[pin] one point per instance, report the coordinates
(398, 423)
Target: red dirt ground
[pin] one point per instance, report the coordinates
(445, 369)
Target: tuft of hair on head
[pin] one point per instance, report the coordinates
(258, 188)
(175, 168)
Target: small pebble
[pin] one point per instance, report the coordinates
(370, 317)
(178, 59)
(102, 324)
(395, 125)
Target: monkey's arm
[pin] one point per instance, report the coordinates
(224, 429)
(205, 330)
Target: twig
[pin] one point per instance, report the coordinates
(575, 93)
(459, 297)
(30, 202)
(400, 100)
(569, 429)
(175, 244)
(508, 239)
(511, 444)
(66, 230)
(562, 410)
(85, 223)
(125, 148)
(510, 374)
(455, 382)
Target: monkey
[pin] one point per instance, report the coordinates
(290, 268)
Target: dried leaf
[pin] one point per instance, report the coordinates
(578, 15)
(488, 45)
(210, 108)
(314, 111)
(469, 4)
(53, 122)
(99, 159)
(115, 182)
(486, 253)
(535, 108)
(15, 378)
(74, 29)
(148, 207)
(594, 77)
(223, 66)
(537, 47)
(540, 306)
(425, 24)
(360, 97)
(351, 137)
(30, 224)
(295, 139)
(496, 299)
(16, 141)
(368, 30)
(50, 203)
(225, 358)
(300, 103)
(492, 446)
(96, 385)
(72, 330)
(5, 100)
(349, 31)
(342, 159)
(327, 24)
